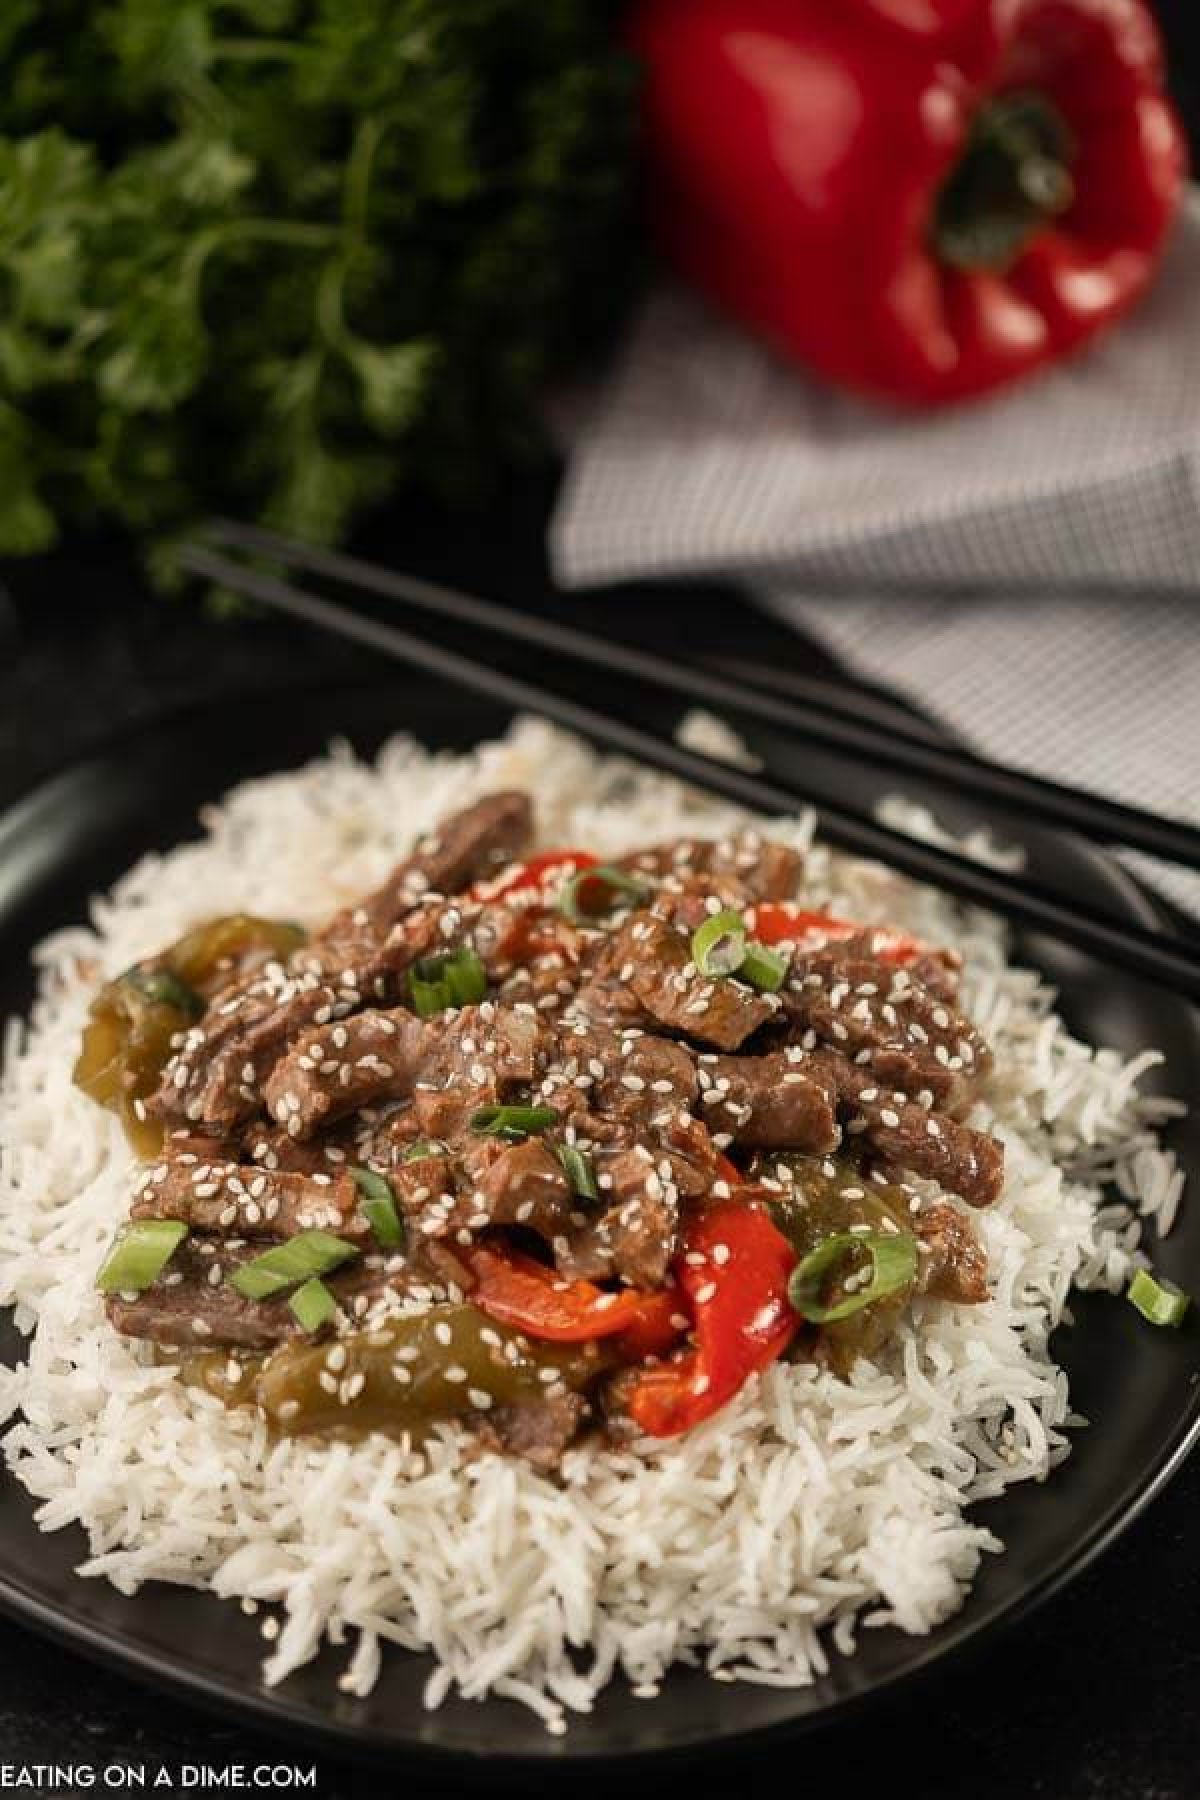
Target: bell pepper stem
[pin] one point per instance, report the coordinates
(1013, 177)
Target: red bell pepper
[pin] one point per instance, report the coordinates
(531, 875)
(777, 921)
(734, 1271)
(521, 1292)
(920, 199)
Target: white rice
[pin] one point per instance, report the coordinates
(810, 1503)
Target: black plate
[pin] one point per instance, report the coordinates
(75, 834)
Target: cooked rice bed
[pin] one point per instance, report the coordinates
(810, 1503)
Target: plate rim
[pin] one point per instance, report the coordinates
(959, 1636)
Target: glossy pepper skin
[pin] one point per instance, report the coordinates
(786, 921)
(734, 1270)
(529, 876)
(524, 1294)
(798, 151)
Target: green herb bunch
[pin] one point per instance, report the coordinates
(281, 256)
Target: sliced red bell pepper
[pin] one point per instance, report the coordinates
(734, 1270)
(530, 888)
(532, 874)
(658, 1327)
(774, 921)
(919, 199)
(519, 1291)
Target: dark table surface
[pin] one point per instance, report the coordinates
(1097, 1699)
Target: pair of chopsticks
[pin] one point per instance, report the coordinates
(812, 713)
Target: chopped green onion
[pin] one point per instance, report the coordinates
(453, 978)
(614, 886)
(139, 1255)
(385, 1222)
(163, 988)
(313, 1304)
(580, 1172)
(424, 1147)
(1158, 1299)
(290, 1263)
(719, 945)
(892, 1266)
(763, 968)
(512, 1122)
(371, 1185)
(379, 1207)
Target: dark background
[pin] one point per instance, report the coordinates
(1097, 1699)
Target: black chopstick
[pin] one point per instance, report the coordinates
(809, 712)
(1128, 946)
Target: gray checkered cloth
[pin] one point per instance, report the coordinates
(1027, 569)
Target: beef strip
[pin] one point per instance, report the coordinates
(613, 1084)
(444, 1112)
(249, 1201)
(474, 1057)
(338, 1068)
(421, 1179)
(466, 847)
(488, 1184)
(382, 1137)
(201, 1147)
(370, 975)
(189, 1308)
(193, 1305)
(214, 1079)
(369, 963)
(625, 1097)
(375, 1056)
(953, 1261)
(653, 956)
(603, 998)
(550, 957)
(373, 967)
(887, 1022)
(273, 1147)
(216, 1076)
(777, 1101)
(903, 1134)
(540, 1431)
(503, 1040)
(938, 972)
(443, 1212)
(518, 1184)
(766, 870)
(632, 1240)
